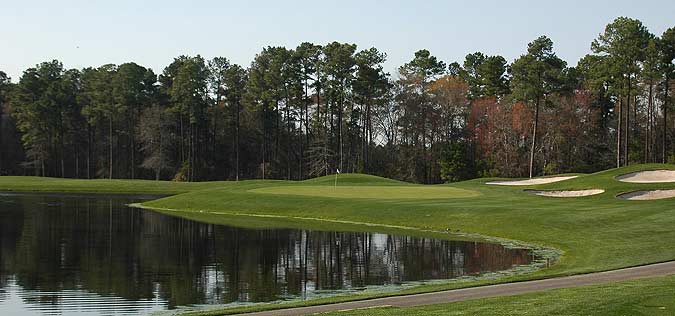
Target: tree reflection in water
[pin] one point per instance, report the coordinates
(53, 244)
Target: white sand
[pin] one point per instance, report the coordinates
(531, 181)
(577, 193)
(654, 176)
(648, 195)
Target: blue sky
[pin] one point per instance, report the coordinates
(84, 33)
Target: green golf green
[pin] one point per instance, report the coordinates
(371, 192)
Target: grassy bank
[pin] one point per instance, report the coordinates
(42, 184)
(643, 297)
(596, 233)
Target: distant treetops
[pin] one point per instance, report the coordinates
(309, 111)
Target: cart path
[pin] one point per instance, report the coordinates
(647, 271)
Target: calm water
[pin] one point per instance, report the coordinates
(85, 255)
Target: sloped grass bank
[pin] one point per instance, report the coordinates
(642, 297)
(115, 186)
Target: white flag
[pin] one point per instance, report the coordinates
(338, 170)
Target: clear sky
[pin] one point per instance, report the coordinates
(84, 33)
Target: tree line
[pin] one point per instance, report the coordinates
(315, 109)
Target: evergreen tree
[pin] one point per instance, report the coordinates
(536, 75)
(624, 42)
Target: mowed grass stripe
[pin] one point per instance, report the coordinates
(371, 192)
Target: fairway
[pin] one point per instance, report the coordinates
(371, 192)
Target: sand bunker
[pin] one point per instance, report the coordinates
(576, 193)
(531, 181)
(648, 195)
(654, 176)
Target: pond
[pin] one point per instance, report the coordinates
(93, 255)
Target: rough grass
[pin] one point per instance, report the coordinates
(644, 297)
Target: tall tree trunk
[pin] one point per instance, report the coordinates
(619, 124)
(369, 137)
(534, 136)
(325, 157)
(277, 134)
(301, 159)
(331, 134)
(350, 140)
(424, 145)
(193, 157)
(306, 145)
(132, 140)
(182, 138)
(288, 138)
(89, 141)
(627, 137)
(236, 140)
(264, 141)
(62, 152)
(369, 134)
(2, 152)
(188, 159)
(665, 123)
(649, 124)
(189, 153)
(364, 138)
(110, 141)
(216, 116)
(340, 128)
(318, 106)
(325, 134)
(133, 149)
(195, 152)
(158, 169)
(212, 137)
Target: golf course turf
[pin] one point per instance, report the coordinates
(595, 233)
(640, 297)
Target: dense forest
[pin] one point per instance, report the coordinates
(315, 109)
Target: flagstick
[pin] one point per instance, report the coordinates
(336, 175)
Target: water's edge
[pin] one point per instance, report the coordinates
(543, 256)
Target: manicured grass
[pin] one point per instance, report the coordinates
(643, 297)
(596, 233)
(371, 192)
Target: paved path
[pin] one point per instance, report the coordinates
(653, 270)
